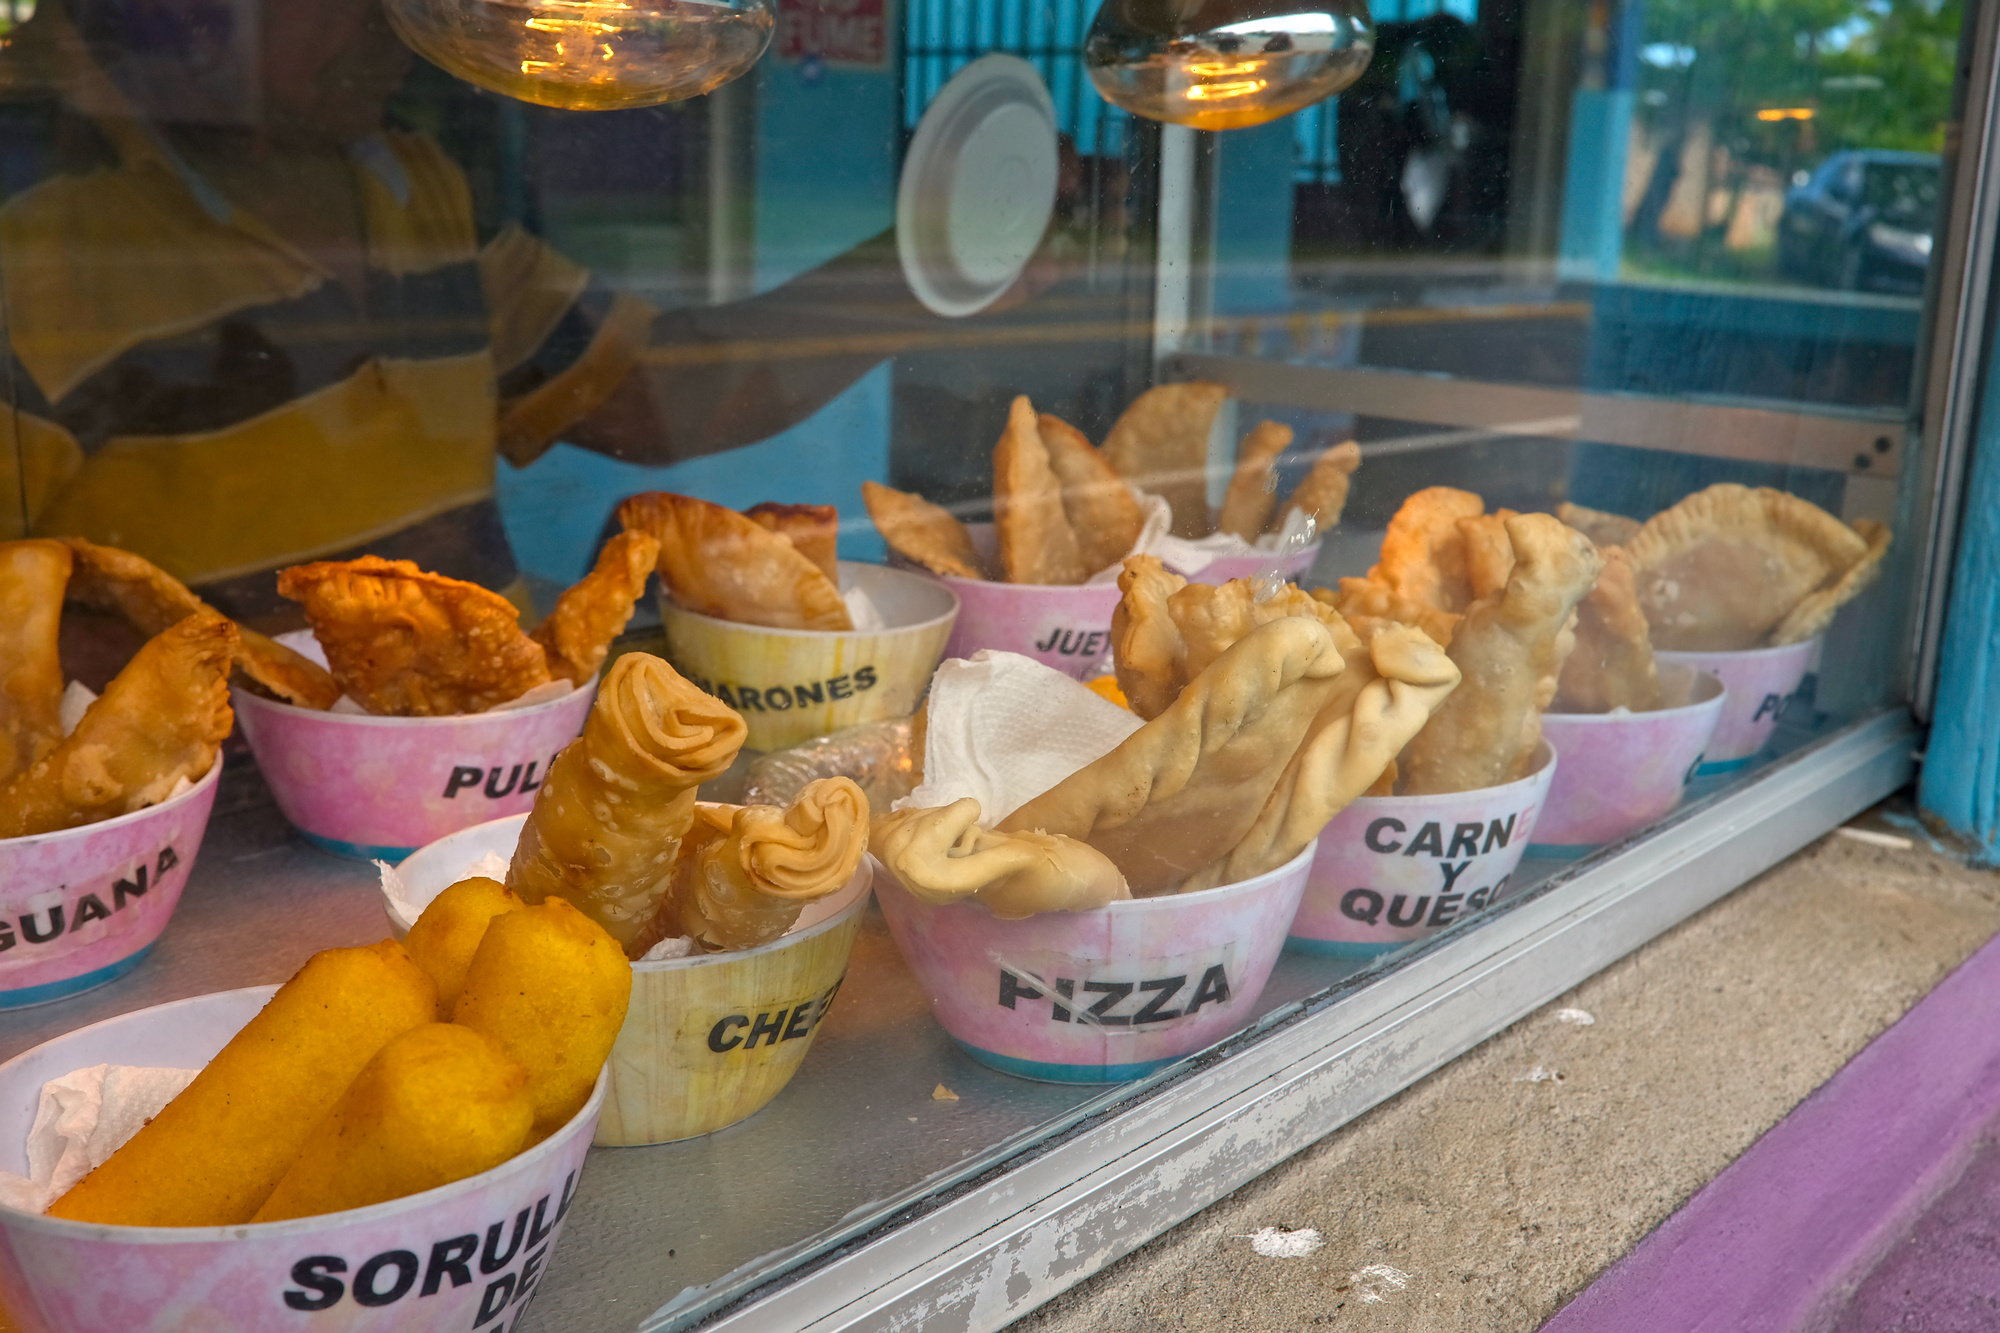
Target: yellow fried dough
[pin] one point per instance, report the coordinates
(1253, 486)
(918, 530)
(942, 856)
(591, 613)
(1815, 613)
(1037, 544)
(1367, 606)
(152, 599)
(405, 643)
(1510, 649)
(716, 562)
(813, 529)
(1602, 528)
(161, 719)
(214, 1154)
(1185, 788)
(446, 936)
(747, 871)
(435, 1105)
(1160, 445)
(607, 825)
(1323, 494)
(1389, 693)
(1423, 553)
(32, 577)
(1102, 511)
(1721, 569)
(1612, 665)
(549, 987)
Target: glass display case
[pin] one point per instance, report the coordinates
(1608, 370)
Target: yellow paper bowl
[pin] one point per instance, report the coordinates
(709, 1039)
(793, 684)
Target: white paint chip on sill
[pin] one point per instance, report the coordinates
(1889, 840)
(1541, 1074)
(1276, 1243)
(1580, 1017)
(1377, 1282)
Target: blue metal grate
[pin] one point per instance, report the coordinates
(941, 37)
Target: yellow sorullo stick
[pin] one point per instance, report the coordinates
(217, 1150)
(549, 987)
(438, 1104)
(448, 933)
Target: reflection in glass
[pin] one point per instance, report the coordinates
(589, 55)
(1225, 66)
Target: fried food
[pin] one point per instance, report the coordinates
(1252, 487)
(1323, 494)
(1368, 606)
(1602, 528)
(1037, 544)
(152, 599)
(746, 871)
(1815, 613)
(607, 825)
(404, 643)
(1160, 445)
(813, 529)
(577, 635)
(446, 936)
(213, 1155)
(1612, 665)
(942, 856)
(1489, 553)
(437, 1104)
(1423, 553)
(716, 562)
(163, 718)
(1726, 566)
(549, 987)
(32, 577)
(918, 530)
(1510, 649)
(1102, 511)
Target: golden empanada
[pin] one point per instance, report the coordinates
(942, 855)
(1367, 606)
(592, 612)
(1423, 553)
(1036, 542)
(1323, 494)
(716, 562)
(1612, 664)
(1815, 613)
(918, 530)
(1720, 570)
(161, 719)
(32, 576)
(1488, 553)
(405, 643)
(1160, 445)
(1252, 491)
(814, 529)
(1602, 528)
(1103, 513)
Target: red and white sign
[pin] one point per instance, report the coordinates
(838, 32)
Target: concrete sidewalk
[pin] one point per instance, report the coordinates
(1490, 1193)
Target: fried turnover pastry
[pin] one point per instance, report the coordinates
(1185, 788)
(405, 643)
(1323, 494)
(1037, 544)
(1423, 554)
(1815, 613)
(161, 719)
(745, 872)
(1602, 528)
(577, 634)
(152, 599)
(716, 562)
(1368, 606)
(813, 529)
(1247, 506)
(942, 856)
(1612, 665)
(918, 530)
(1723, 568)
(32, 577)
(1160, 445)
(1510, 649)
(1489, 553)
(1102, 511)
(608, 823)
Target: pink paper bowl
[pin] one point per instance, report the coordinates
(1392, 870)
(1099, 996)
(1620, 772)
(1760, 681)
(381, 787)
(466, 1255)
(1286, 565)
(1065, 626)
(84, 906)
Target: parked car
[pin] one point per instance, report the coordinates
(1862, 222)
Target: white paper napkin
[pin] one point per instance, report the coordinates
(1003, 729)
(82, 1119)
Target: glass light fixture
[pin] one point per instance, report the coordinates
(588, 55)
(1226, 64)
